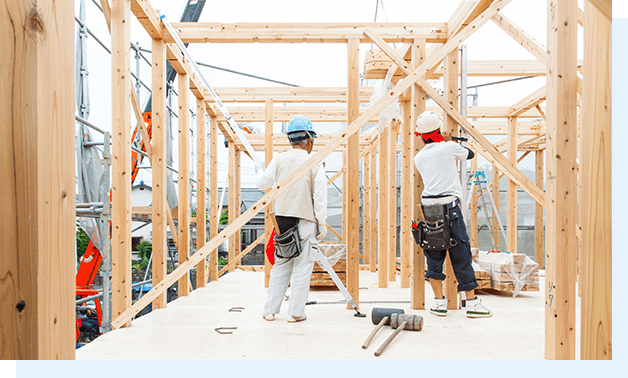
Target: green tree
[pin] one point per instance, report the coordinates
(82, 240)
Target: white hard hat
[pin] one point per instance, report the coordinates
(427, 122)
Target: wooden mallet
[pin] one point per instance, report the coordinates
(400, 322)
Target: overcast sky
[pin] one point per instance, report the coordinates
(312, 64)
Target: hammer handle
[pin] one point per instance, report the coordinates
(274, 220)
(390, 338)
(370, 338)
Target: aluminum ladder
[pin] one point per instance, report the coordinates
(483, 192)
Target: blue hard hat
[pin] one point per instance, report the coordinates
(300, 127)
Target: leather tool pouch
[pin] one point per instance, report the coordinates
(288, 244)
(434, 233)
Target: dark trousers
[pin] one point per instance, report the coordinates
(460, 255)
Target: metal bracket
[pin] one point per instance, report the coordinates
(236, 309)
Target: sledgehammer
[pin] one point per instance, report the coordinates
(381, 317)
(401, 322)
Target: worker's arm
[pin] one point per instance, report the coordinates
(265, 178)
(460, 152)
(320, 200)
(471, 154)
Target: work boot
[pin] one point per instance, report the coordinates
(440, 308)
(269, 317)
(294, 319)
(476, 310)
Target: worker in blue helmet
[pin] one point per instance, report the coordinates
(301, 213)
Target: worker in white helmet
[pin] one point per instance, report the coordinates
(301, 213)
(436, 162)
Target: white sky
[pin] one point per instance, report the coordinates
(312, 64)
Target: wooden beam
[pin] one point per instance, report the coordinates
(495, 193)
(562, 149)
(201, 167)
(158, 166)
(473, 205)
(539, 242)
(596, 200)
(459, 16)
(147, 17)
(366, 210)
(407, 167)
(202, 32)
(290, 94)
(106, 9)
(383, 213)
(535, 48)
(532, 100)
(316, 158)
(372, 156)
(605, 7)
(232, 202)
(121, 153)
(37, 195)
(353, 171)
(392, 199)
(184, 180)
(237, 170)
(232, 264)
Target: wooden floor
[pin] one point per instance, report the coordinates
(185, 330)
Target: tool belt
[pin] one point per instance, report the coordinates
(288, 244)
(434, 233)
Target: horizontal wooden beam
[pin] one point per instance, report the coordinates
(203, 32)
(147, 17)
(287, 94)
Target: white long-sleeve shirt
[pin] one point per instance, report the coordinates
(436, 162)
(307, 198)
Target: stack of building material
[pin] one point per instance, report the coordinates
(337, 256)
(513, 272)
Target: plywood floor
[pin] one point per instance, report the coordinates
(185, 330)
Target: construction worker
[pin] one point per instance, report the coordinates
(436, 162)
(301, 213)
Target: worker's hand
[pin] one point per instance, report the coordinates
(259, 167)
(322, 231)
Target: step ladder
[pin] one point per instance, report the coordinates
(485, 198)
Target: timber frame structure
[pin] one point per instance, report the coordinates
(37, 305)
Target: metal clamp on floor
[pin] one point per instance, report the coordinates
(225, 330)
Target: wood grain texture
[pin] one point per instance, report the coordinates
(511, 237)
(201, 167)
(214, 217)
(184, 180)
(353, 172)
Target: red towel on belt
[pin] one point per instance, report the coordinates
(270, 248)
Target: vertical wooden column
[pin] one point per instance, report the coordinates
(392, 200)
(596, 168)
(539, 233)
(562, 148)
(417, 102)
(382, 219)
(407, 168)
(233, 198)
(214, 217)
(268, 224)
(345, 198)
(352, 235)
(366, 210)
(158, 167)
(373, 209)
(450, 289)
(37, 194)
(121, 162)
(238, 200)
(184, 180)
(495, 193)
(201, 167)
(511, 235)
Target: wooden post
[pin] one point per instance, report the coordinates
(233, 198)
(373, 209)
(238, 200)
(121, 162)
(382, 219)
(392, 200)
(596, 168)
(495, 193)
(417, 100)
(539, 233)
(37, 195)
(345, 194)
(511, 235)
(406, 195)
(450, 289)
(562, 148)
(268, 225)
(184, 180)
(214, 217)
(366, 210)
(201, 158)
(352, 235)
(158, 166)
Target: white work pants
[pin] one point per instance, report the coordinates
(300, 268)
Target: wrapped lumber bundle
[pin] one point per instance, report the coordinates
(337, 256)
(513, 272)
